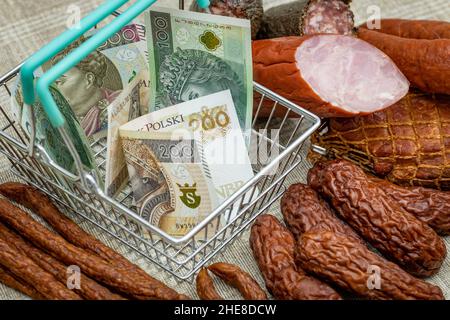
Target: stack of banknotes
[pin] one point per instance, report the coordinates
(173, 98)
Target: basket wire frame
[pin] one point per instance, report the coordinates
(182, 257)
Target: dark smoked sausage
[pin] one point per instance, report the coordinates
(273, 248)
(339, 259)
(380, 220)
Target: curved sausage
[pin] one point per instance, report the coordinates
(414, 29)
(205, 286)
(239, 279)
(378, 219)
(338, 259)
(273, 248)
(425, 63)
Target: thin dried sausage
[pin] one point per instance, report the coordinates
(239, 279)
(11, 281)
(89, 289)
(41, 205)
(25, 269)
(205, 286)
(92, 265)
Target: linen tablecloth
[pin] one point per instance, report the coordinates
(26, 25)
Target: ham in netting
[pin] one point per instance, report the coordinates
(330, 75)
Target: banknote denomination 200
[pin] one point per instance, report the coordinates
(185, 160)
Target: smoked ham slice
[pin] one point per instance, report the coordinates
(330, 75)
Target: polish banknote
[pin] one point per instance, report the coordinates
(84, 93)
(185, 160)
(131, 104)
(194, 54)
(99, 79)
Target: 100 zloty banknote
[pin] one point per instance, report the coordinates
(194, 54)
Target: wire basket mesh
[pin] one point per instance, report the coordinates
(280, 133)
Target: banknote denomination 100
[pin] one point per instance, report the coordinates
(194, 54)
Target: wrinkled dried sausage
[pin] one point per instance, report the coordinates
(339, 259)
(428, 205)
(377, 218)
(303, 209)
(273, 248)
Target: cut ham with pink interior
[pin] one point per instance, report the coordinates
(331, 75)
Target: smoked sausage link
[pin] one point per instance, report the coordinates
(425, 63)
(273, 248)
(413, 29)
(339, 259)
(381, 221)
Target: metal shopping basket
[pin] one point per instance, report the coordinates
(80, 197)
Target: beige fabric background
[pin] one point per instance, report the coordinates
(26, 25)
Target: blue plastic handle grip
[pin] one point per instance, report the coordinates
(59, 43)
(203, 3)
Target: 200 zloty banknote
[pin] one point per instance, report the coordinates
(185, 160)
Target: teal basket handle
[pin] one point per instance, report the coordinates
(59, 43)
(203, 3)
(43, 84)
(42, 87)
